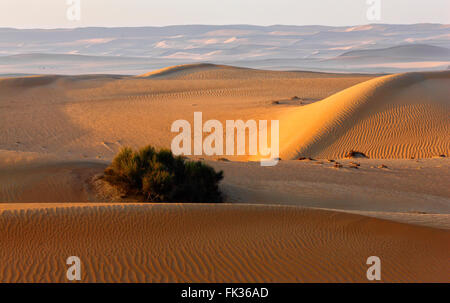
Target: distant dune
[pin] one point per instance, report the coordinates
(407, 57)
(185, 69)
(212, 243)
(405, 52)
(207, 71)
(396, 116)
(136, 50)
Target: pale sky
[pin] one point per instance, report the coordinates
(112, 13)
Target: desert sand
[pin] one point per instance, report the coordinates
(212, 243)
(302, 220)
(92, 117)
(396, 116)
(408, 190)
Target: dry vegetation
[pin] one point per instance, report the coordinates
(159, 176)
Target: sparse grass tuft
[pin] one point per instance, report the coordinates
(159, 176)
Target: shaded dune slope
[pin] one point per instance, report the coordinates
(49, 182)
(395, 116)
(212, 243)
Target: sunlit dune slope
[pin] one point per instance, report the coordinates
(187, 70)
(395, 116)
(212, 243)
(207, 71)
(93, 116)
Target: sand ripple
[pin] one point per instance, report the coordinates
(212, 243)
(397, 116)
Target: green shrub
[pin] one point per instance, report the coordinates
(160, 176)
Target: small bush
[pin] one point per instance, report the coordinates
(355, 154)
(160, 176)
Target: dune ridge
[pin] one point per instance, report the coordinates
(90, 116)
(212, 243)
(208, 71)
(278, 47)
(184, 69)
(395, 116)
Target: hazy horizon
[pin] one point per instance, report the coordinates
(136, 51)
(219, 25)
(52, 14)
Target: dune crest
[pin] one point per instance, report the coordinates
(183, 69)
(208, 71)
(395, 116)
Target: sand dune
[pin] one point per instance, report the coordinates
(396, 116)
(92, 117)
(57, 132)
(441, 221)
(205, 71)
(421, 199)
(188, 69)
(74, 121)
(412, 50)
(136, 51)
(212, 243)
(48, 182)
(89, 117)
(404, 186)
(400, 58)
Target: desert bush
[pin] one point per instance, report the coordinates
(158, 176)
(355, 154)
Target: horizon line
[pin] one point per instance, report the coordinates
(218, 25)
